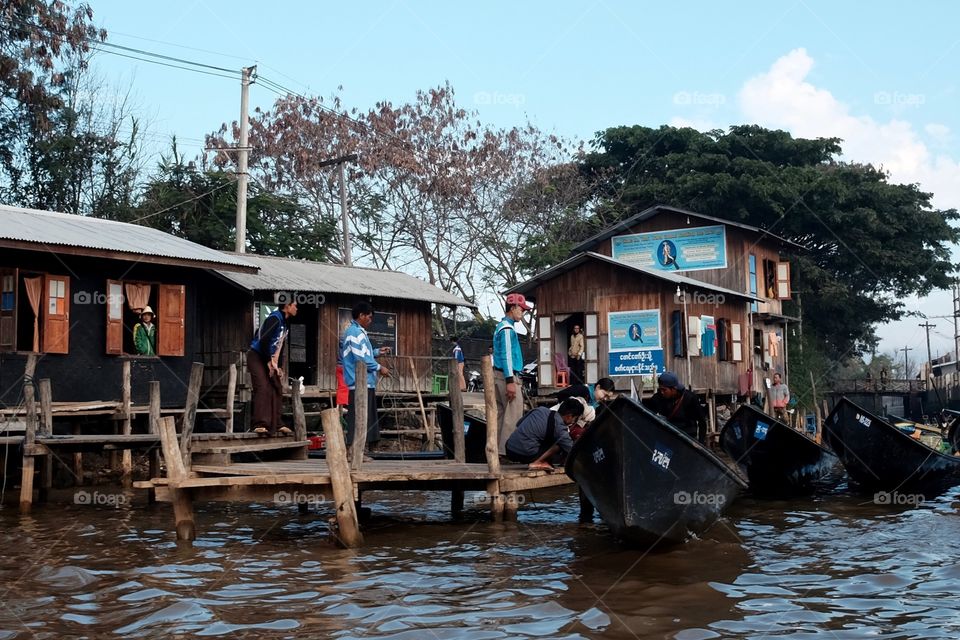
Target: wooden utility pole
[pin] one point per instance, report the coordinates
(906, 367)
(928, 326)
(248, 75)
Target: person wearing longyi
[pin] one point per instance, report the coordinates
(507, 365)
(266, 374)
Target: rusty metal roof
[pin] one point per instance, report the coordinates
(49, 231)
(289, 274)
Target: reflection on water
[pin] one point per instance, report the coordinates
(791, 569)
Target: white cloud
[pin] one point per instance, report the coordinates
(939, 132)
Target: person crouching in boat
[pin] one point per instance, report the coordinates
(543, 433)
(679, 406)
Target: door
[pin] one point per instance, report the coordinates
(56, 314)
(170, 320)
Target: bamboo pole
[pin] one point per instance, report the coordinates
(427, 425)
(46, 428)
(126, 460)
(360, 413)
(29, 439)
(177, 472)
(231, 395)
(492, 448)
(190, 410)
(456, 408)
(348, 528)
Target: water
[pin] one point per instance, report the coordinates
(835, 567)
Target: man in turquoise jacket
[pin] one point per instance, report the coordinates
(507, 365)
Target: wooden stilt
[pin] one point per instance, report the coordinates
(231, 395)
(153, 426)
(492, 447)
(77, 460)
(46, 428)
(299, 419)
(456, 408)
(29, 439)
(456, 504)
(177, 472)
(360, 410)
(126, 464)
(511, 503)
(348, 528)
(190, 411)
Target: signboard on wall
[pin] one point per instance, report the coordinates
(689, 249)
(382, 331)
(635, 346)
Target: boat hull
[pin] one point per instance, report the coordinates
(650, 482)
(777, 460)
(879, 457)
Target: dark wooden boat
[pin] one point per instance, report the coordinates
(880, 457)
(650, 482)
(777, 460)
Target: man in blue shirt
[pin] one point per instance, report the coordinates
(357, 348)
(543, 433)
(507, 365)
(458, 356)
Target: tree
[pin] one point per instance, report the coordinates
(201, 207)
(871, 243)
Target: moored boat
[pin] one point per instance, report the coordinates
(650, 482)
(879, 456)
(777, 460)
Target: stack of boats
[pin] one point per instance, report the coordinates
(653, 484)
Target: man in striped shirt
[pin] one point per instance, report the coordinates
(357, 348)
(507, 365)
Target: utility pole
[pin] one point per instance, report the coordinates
(956, 322)
(248, 74)
(906, 367)
(928, 326)
(344, 215)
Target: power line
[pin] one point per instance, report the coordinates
(165, 64)
(187, 201)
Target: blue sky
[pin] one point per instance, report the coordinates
(881, 75)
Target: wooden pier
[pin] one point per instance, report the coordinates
(341, 478)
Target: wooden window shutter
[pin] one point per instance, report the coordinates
(55, 305)
(736, 342)
(114, 317)
(170, 320)
(545, 350)
(8, 309)
(591, 330)
(783, 281)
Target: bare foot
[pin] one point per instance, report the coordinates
(540, 466)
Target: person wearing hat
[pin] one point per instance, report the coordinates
(507, 365)
(543, 433)
(145, 334)
(679, 406)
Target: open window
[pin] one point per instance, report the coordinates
(34, 311)
(769, 279)
(125, 302)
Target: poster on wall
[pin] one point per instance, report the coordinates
(382, 331)
(633, 330)
(635, 347)
(689, 249)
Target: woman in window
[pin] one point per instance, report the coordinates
(145, 334)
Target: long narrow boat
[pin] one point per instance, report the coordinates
(879, 456)
(650, 482)
(777, 460)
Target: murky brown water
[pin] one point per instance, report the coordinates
(771, 569)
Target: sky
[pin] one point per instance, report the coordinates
(882, 75)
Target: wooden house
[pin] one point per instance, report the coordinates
(669, 289)
(326, 293)
(70, 291)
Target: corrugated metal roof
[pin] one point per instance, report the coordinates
(288, 274)
(530, 285)
(624, 226)
(95, 236)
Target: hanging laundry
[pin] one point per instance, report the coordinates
(773, 344)
(708, 341)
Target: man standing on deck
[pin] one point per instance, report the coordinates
(507, 365)
(679, 406)
(575, 356)
(779, 398)
(357, 348)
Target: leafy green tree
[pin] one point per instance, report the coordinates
(201, 207)
(871, 243)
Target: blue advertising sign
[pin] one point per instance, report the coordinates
(634, 330)
(636, 363)
(674, 250)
